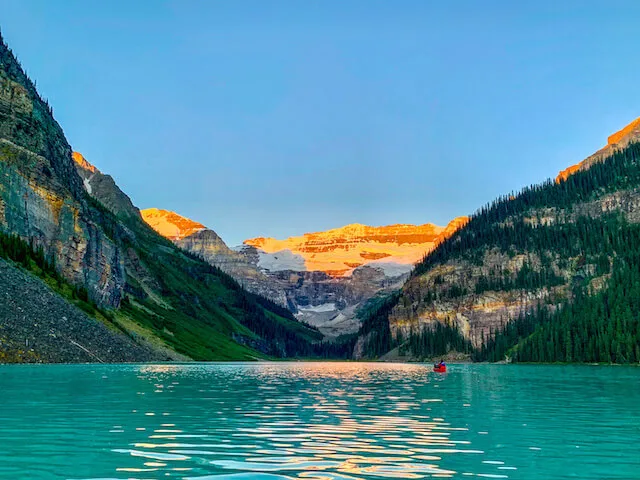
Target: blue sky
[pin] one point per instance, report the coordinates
(274, 118)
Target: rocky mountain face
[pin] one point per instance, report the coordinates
(41, 195)
(540, 249)
(206, 244)
(173, 226)
(329, 276)
(103, 187)
(149, 289)
(323, 277)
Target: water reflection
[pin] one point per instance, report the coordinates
(318, 421)
(314, 421)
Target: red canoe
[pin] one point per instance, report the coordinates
(440, 369)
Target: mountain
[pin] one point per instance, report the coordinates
(323, 277)
(80, 238)
(550, 274)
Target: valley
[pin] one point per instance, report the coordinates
(325, 278)
(511, 282)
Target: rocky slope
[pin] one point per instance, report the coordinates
(539, 249)
(38, 326)
(323, 277)
(79, 217)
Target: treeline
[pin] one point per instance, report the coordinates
(497, 345)
(438, 339)
(375, 326)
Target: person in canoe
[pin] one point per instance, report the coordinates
(440, 366)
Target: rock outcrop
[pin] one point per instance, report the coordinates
(616, 141)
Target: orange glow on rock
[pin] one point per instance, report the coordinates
(80, 160)
(616, 141)
(336, 252)
(169, 224)
(620, 134)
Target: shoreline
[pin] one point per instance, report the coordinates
(261, 361)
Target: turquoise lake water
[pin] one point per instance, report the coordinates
(271, 421)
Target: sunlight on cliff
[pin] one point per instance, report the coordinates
(338, 251)
(169, 224)
(80, 160)
(620, 139)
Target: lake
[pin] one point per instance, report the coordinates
(272, 421)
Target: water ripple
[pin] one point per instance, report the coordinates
(319, 421)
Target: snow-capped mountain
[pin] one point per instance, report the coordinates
(393, 249)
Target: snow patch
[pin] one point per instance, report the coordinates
(282, 260)
(87, 185)
(325, 307)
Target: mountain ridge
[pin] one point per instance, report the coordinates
(531, 277)
(338, 251)
(66, 211)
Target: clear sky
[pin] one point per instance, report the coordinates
(274, 118)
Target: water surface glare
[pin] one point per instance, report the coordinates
(330, 421)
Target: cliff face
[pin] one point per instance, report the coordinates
(41, 195)
(163, 298)
(616, 141)
(322, 277)
(449, 294)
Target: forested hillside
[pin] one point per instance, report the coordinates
(549, 274)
